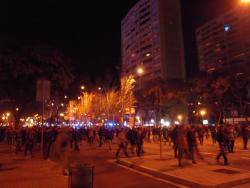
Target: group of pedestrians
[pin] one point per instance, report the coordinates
(27, 140)
(185, 139)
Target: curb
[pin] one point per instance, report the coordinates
(180, 181)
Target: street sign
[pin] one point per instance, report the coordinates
(42, 90)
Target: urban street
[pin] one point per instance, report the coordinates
(125, 94)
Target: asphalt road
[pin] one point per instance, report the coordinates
(107, 173)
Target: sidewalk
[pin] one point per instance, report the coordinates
(203, 174)
(18, 171)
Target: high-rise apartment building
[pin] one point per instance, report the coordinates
(224, 42)
(152, 40)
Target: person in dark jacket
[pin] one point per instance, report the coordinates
(245, 136)
(101, 134)
(29, 145)
(221, 138)
(192, 144)
(174, 136)
(132, 138)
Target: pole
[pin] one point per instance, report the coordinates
(160, 145)
(42, 135)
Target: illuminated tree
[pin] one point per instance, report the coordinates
(126, 97)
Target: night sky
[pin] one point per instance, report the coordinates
(89, 31)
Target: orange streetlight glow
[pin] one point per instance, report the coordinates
(179, 117)
(140, 71)
(245, 1)
(203, 112)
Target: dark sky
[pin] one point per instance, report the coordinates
(89, 30)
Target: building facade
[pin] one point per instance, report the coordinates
(152, 40)
(224, 42)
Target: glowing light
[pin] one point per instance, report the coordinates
(203, 112)
(17, 109)
(79, 98)
(140, 71)
(7, 114)
(65, 97)
(245, 1)
(99, 88)
(177, 123)
(227, 28)
(152, 121)
(162, 121)
(61, 114)
(179, 117)
(167, 123)
(205, 122)
(125, 124)
(82, 87)
(148, 54)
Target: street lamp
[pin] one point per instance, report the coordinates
(17, 109)
(203, 113)
(82, 87)
(140, 71)
(180, 117)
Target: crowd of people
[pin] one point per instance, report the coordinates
(183, 138)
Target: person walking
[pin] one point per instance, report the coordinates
(182, 143)
(101, 134)
(122, 143)
(201, 134)
(231, 139)
(132, 138)
(29, 145)
(139, 141)
(192, 144)
(221, 138)
(245, 136)
(109, 135)
(174, 136)
(213, 134)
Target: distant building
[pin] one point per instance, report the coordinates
(152, 42)
(224, 42)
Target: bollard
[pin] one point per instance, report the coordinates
(81, 176)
